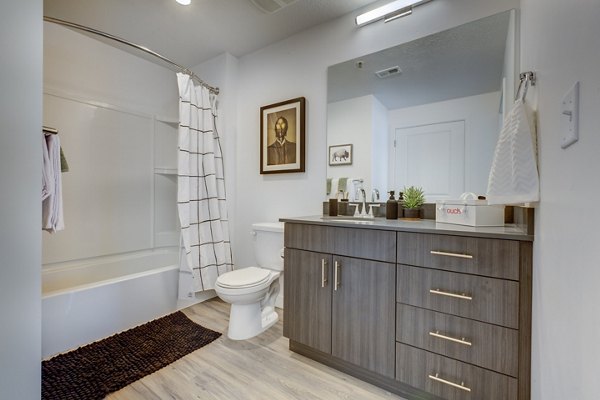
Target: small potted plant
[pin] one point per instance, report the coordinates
(414, 197)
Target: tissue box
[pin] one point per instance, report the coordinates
(469, 212)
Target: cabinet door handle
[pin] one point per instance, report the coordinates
(336, 275)
(443, 253)
(323, 273)
(446, 382)
(455, 295)
(437, 334)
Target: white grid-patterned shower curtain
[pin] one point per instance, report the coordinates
(201, 203)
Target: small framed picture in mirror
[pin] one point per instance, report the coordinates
(282, 137)
(340, 154)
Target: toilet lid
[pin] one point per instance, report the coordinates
(244, 277)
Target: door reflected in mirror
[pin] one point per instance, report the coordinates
(424, 113)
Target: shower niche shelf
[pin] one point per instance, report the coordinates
(165, 171)
(174, 121)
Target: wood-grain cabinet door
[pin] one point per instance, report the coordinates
(363, 320)
(307, 307)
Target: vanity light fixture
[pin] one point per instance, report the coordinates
(389, 12)
(184, 2)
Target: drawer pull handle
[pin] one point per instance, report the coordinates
(437, 334)
(455, 295)
(336, 275)
(443, 253)
(456, 385)
(323, 273)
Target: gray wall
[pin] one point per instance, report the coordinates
(20, 206)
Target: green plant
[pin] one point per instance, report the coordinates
(414, 197)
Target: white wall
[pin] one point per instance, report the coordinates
(20, 213)
(480, 114)
(561, 42)
(351, 122)
(510, 69)
(379, 151)
(297, 67)
(362, 122)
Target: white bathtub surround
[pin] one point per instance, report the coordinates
(201, 191)
(84, 301)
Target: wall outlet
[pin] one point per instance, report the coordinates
(570, 117)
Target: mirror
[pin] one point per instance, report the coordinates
(424, 113)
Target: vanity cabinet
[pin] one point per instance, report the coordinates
(338, 305)
(425, 315)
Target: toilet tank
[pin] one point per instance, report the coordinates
(268, 244)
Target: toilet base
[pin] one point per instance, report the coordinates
(247, 320)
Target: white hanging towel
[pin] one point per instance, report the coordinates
(52, 205)
(514, 175)
(47, 171)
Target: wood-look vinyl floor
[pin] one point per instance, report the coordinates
(260, 368)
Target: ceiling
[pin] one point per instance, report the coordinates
(190, 35)
(463, 61)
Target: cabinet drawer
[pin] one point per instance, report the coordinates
(451, 379)
(489, 346)
(479, 256)
(365, 243)
(308, 237)
(485, 299)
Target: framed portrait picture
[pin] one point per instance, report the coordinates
(282, 137)
(340, 154)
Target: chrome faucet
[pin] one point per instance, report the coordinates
(363, 212)
(374, 195)
(364, 202)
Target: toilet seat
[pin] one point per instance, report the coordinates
(244, 278)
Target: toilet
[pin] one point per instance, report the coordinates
(253, 292)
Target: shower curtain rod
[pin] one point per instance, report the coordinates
(185, 70)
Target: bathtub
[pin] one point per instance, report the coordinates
(88, 300)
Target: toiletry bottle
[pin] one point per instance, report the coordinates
(391, 207)
(333, 207)
(343, 203)
(400, 205)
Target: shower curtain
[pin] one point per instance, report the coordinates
(201, 204)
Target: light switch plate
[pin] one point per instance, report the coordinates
(570, 117)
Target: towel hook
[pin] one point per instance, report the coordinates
(526, 78)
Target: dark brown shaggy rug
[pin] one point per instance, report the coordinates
(92, 372)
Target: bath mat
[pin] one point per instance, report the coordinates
(93, 371)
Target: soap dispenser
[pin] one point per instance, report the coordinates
(400, 205)
(391, 207)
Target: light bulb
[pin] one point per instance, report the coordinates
(184, 2)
